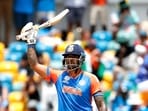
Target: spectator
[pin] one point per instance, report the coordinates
(48, 92)
(85, 36)
(134, 105)
(119, 103)
(98, 8)
(98, 67)
(45, 9)
(32, 106)
(142, 80)
(123, 52)
(32, 90)
(88, 47)
(125, 23)
(142, 39)
(143, 70)
(23, 13)
(4, 99)
(6, 19)
(75, 17)
(24, 66)
(127, 15)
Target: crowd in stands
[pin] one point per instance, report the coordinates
(117, 55)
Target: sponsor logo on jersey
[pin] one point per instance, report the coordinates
(71, 90)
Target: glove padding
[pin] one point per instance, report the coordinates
(29, 33)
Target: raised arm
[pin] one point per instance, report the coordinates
(33, 61)
(30, 37)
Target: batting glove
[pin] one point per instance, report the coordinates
(28, 33)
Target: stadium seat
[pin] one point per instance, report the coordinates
(102, 35)
(2, 49)
(19, 82)
(6, 81)
(18, 47)
(109, 65)
(56, 64)
(18, 86)
(61, 47)
(57, 56)
(108, 76)
(56, 60)
(15, 51)
(102, 45)
(14, 56)
(17, 101)
(9, 67)
(41, 48)
(107, 86)
(113, 45)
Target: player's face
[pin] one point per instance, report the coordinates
(71, 61)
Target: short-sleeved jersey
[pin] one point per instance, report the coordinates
(75, 94)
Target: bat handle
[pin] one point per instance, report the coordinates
(21, 36)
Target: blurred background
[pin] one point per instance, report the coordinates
(113, 33)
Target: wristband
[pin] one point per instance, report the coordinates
(31, 45)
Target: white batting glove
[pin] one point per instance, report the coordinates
(28, 33)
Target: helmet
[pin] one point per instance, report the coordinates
(74, 57)
(74, 49)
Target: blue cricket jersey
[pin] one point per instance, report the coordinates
(74, 94)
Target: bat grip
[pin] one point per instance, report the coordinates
(19, 37)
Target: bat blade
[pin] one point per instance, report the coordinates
(55, 19)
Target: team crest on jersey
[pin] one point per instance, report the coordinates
(82, 82)
(70, 48)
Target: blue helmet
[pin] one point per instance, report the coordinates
(74, 49)
(78, 57)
